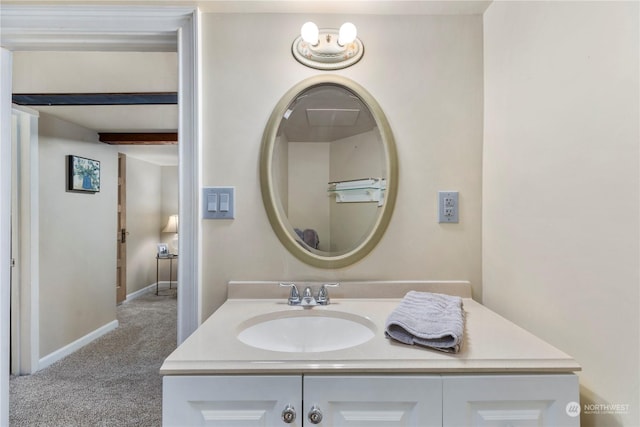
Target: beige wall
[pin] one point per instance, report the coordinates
(71, 72)
(144, 222)
(169, 192)
(78, 298)
(308, 177)
(152, 195)
(356, 157)
(77, 244)
(561, 186)
(425, 72)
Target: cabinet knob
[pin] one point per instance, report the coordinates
(315, 415)
(289, 414)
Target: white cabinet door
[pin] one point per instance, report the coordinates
(511, 400)
(230, 401)
(373, 401)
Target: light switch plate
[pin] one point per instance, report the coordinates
(448, 206)
(218, 202)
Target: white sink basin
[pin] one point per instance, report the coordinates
(306, 331)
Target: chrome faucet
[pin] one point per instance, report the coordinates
(307, 299)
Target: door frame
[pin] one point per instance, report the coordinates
(121, 231)
(5, 230)
(25, 320)
(109, 28)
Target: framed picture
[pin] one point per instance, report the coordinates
(83, 174)
(163, 250)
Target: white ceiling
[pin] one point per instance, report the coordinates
(163, 155)
(106, 72)
(118, 118)
(374, 7)
(325, 114)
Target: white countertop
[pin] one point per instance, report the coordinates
(491, 343)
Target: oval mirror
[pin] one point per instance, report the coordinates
(328, 171)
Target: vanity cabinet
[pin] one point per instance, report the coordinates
(371, 400)
(225, 401)
(391, 400)
(510, 400)
(247, 401)
(503, 376)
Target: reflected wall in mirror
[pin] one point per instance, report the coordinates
(328, 171)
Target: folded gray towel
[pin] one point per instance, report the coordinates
(428, 319)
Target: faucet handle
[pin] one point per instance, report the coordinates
(294, 295)
(323, 293)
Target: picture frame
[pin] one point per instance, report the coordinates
(163, 250)
(83, 174)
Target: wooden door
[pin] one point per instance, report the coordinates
(121, 269)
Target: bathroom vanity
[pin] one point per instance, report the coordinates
(248, 365)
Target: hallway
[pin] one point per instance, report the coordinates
(113, 381)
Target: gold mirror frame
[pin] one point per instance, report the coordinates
(272, 204)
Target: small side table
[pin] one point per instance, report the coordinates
(170, 257)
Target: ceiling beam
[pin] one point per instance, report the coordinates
(146, 98)
(146, 138)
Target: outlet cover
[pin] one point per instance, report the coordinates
(448, 206)
(218, 202)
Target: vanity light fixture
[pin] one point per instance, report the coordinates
(327, 49)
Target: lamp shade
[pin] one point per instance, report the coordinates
(172, 225)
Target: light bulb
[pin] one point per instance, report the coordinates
(348, 33)
(309, 33)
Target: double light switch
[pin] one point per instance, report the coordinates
(218, 202)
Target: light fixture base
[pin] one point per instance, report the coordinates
(327, 54)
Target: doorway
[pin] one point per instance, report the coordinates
(104, 28)
(78, 261)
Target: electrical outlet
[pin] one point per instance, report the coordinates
(448, 206)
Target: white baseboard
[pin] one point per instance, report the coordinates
(150, 288)
(164, 285)
(76, 345)
(136, 294)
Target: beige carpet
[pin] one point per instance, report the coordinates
(113, 381)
